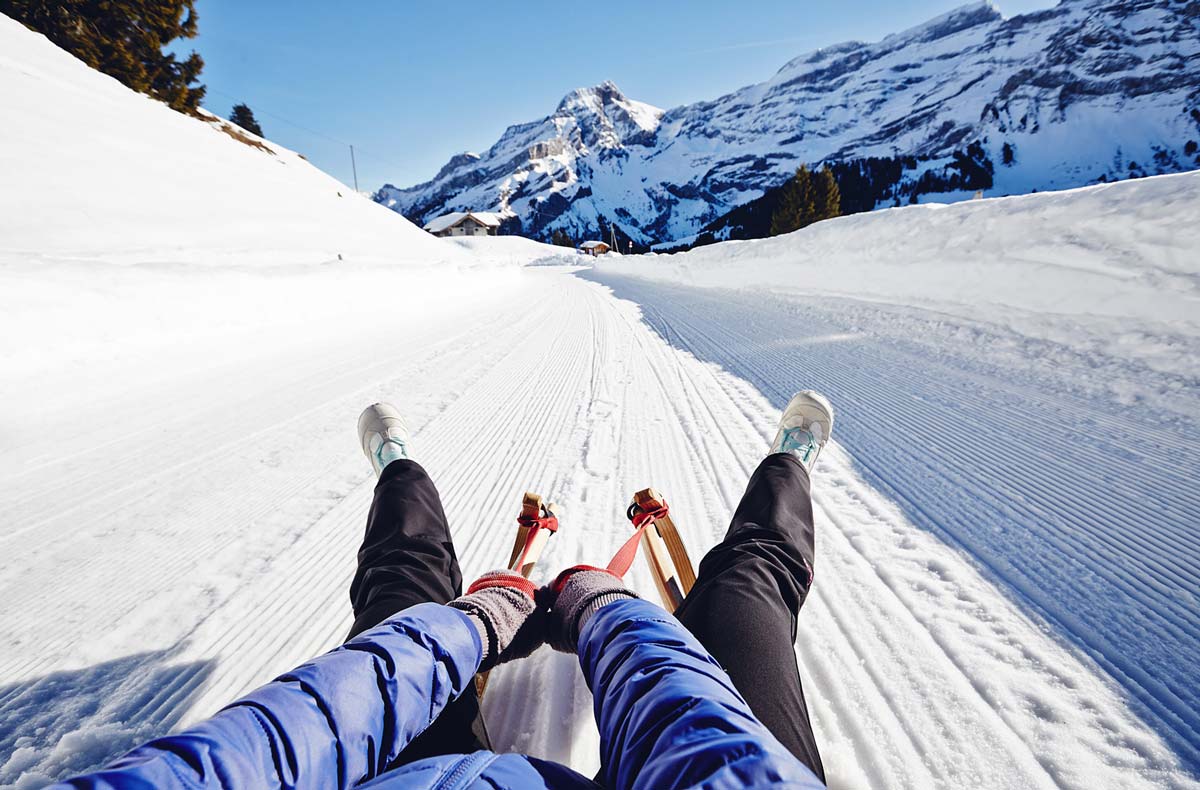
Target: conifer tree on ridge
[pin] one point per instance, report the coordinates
(243, 116)
(124, 39)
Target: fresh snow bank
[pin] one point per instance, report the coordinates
(1020, 376)
(93, 171)
(127, 229)
(1115, 266)
(516, 250)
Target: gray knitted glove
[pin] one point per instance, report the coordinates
(501, 606)
(577, 594)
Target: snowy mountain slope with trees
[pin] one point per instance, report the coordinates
(1088, 91)
(169, 190)
(183, 494)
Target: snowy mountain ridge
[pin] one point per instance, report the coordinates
(1088, 91)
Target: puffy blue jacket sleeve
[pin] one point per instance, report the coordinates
(334, 721)
(669, 716)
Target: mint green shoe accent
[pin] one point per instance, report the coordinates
(391, 450)
(383, 435)
(800, 443)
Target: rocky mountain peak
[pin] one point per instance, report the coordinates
(606, 93)
(605, 102)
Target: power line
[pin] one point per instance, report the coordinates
(285, 120)
(354, 149)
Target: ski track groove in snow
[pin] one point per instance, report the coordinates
(728, 335)
(208, 543)
(1066, 504)
(225, 560)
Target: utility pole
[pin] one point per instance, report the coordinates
(354, 167)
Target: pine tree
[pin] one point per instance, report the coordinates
(243, 116)
(124, 39)
(561, 238)
(797, 204)
(827, 198)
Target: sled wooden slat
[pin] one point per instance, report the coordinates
(531, 507)
(674, 574)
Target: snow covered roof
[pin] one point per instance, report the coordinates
(587, 245)
(438, 224)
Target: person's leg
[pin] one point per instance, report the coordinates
(747, 596)
(407, 558)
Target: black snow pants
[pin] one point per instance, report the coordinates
(743, 608)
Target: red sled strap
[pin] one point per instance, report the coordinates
(547, 521)
(622, 561)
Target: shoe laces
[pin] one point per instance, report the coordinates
(802, 441)
(379, 447)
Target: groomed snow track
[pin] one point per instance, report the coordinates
(186, 539)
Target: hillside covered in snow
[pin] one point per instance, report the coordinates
(1088, 91)
(95, 172)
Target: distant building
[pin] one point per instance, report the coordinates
(594, 248)
(464, 223)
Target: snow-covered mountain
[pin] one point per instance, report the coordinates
(1088, 91)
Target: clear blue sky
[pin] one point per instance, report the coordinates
(411, 83)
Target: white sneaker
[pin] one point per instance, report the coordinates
(383, 435)
(805, 427)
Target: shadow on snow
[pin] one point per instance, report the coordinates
(68, 722)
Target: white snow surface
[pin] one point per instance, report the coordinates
(516, 250)
(1006, 544)
(1115, 266)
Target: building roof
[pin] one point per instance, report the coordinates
(438, 224)
(587, 245)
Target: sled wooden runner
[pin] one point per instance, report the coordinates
(670, 564)
(533, 532)
(536, 522)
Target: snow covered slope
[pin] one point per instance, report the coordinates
(516, 250)
(199, 538)
(126, 227)
(1114, 268)
(92, 171)
(1021, 374)
(1089, 90)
